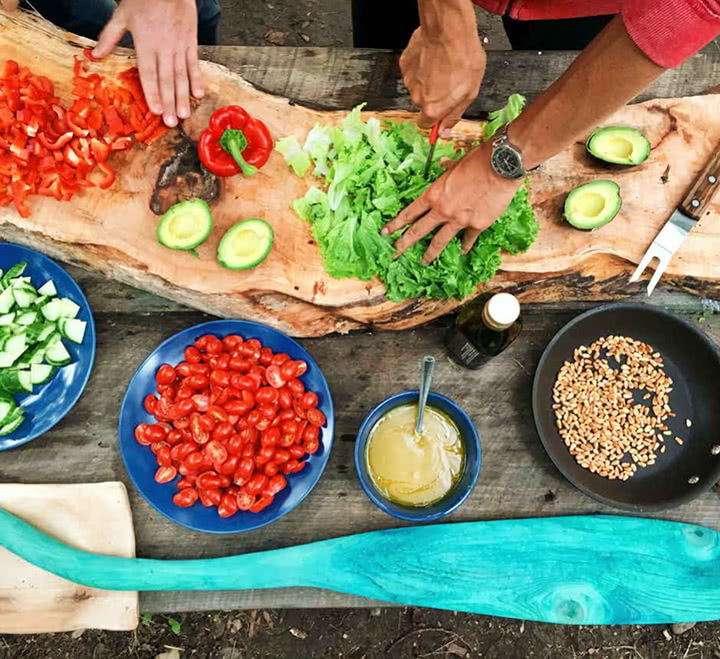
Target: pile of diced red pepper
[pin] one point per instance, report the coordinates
(51, 150)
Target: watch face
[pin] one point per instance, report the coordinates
(507, 162)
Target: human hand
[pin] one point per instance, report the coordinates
(469, 196)
(443, 73)
(165, 36)
(9, 5)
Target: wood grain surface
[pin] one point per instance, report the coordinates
(615, 570)
(91, 517)
(518, 479)
(114, 231)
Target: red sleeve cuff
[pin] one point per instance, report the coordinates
(670, 31)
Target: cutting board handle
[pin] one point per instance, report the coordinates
(701, 193)
(579, 570)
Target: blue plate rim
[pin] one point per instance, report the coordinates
(90, 326)
(204, 328)
(370, 490)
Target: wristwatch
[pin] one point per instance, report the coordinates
(506, 158)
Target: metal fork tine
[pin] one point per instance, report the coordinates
(643, 264)
(662, 264)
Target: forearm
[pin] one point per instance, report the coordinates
(611, 71)
(447, 20)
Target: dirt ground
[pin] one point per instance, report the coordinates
(393, 633)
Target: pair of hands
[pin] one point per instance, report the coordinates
(165, 37)
(443, 76)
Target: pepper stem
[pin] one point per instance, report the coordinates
(234, 142)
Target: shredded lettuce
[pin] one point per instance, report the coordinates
(370, 173)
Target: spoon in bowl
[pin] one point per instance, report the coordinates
(428, 365)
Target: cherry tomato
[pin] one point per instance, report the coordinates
(240, 365)
(244, 499)
(219, 395)
(214, 346)
(288, 370)
(201, 343)
(301, 368)
(271, 468)
(257, 379)
(202, 402)
(174, 437)
(163, 456)
(182, 408)
(222, 431)
(299, 409)
(286, 441)
(210, 497)
(290, 466)
(285, 398)
(209, 479)
(197, 382)
(270, 437)
(296, 451)
(192, 355)
(165, 474)
(165, 374)
(266, 356)
(155, 432)
(289, 427)
(217, 413)
(242, 382)
(228, 505)
(311, 434)
(309, 400)
(183, 369)
(221, 361)
(207, 422)
(275, 485)
(248, 451)
(281, 455)
(311, 446)
(150, 403)
(220, 378)
(234, 445)
(216, 451)
(200, 369)
(268, 411)
(316, 417)
(166, 391)
(266, 395)
(274, 376)
(193, 461)
(179, 452)
(184, 483)
(257, 483)
(229, 467)
(296, 387)
(262, 503)
(263, 424)
(254, 342)
(280, 359)
(198, 431)
(183, 423)
(242, 405)
(232, 341)
(140, 435)
(184, 392)
(186, 497)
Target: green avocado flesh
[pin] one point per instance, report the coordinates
(592, 205)
(620, 145)
(185, 225)
(245, 244)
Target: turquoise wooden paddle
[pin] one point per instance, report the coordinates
(580, 570)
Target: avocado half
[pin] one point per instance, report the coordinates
(185, 225)
(619, 145)
(592, 205)
(245, 244)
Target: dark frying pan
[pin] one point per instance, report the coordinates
(692, 360)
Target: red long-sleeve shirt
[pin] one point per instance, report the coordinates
(667, 31)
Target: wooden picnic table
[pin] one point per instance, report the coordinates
(517, 479)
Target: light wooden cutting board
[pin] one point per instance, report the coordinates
(113, 231)
(94, 517)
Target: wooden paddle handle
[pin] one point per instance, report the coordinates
(698, 199)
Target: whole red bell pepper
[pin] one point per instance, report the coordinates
(234, 142)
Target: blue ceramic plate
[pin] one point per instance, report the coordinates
(51, 401)
(140, 462)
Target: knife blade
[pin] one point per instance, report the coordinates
(681, 222)
(433, 140)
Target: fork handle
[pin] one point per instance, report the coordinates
(702, 191)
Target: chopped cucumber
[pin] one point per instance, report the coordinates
(13, 273)
(48, 289)
(7, 319)
(17, 417)
(72, 328)
(69, 309)
(24, 297)
(15, 381)
(27, 318)
(41, 373)
(57, 354)
(7, 301)
(47, 330)
(53, 309)
(7, 359)
(7, 407)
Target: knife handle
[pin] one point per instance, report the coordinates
(702, 191)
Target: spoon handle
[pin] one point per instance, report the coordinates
(428, 365)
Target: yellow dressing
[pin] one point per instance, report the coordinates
(410, 470)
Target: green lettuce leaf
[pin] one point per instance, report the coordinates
(371, 171)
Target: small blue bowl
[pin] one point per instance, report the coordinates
(50, 402)
(140, 462)
(463, 488)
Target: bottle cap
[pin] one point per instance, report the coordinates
(502, 310)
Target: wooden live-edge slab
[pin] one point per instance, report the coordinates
(517, 478)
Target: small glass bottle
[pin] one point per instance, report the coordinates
(484, 328)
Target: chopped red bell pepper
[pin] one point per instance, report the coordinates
(234, 142)
(109, 177)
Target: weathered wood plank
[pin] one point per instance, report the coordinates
(338, 78)
(515, 478)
